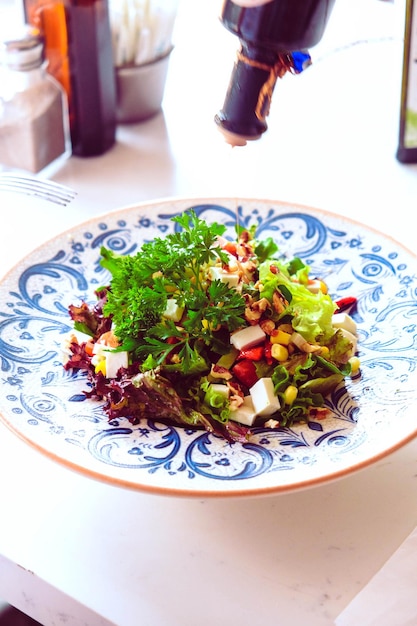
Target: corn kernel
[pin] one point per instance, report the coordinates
(323, 287)
(101, 367)
(354, 364)
(324, 352)
(290, 394)
(315, 285)
(280, 336)
(279, 352)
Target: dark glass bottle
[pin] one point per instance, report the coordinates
(270, 33)
(92, 77)
(407, 143)
(78, 47)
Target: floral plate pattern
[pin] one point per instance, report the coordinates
(374, 415)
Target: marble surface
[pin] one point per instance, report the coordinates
(120, 557)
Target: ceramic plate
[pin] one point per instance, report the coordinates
(373, 416)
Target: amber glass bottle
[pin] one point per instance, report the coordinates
(79, 53)
(270, 31)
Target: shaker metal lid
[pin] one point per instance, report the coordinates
(23, 48)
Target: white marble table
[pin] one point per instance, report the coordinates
(77, 551)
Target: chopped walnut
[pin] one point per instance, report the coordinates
(248, 268)
(271, 423)
(279, 302)
(109, 339)
(236, 397)
(256, 309)
(268, 326)
(217, 371)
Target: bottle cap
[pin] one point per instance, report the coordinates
(23, 49)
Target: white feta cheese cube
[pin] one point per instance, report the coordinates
(220, 389)
(99, 353)
(245, 414)
(229, 278)
(173, 311)
(247, 337)
(71, 336)
(352, 338)
(344, 320)
(263, 397)
(315, 286)
(114, 361)
(79, 336)
(99, 348)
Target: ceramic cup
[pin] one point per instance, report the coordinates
(140, 89)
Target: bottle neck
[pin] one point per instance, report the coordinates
(248, 98)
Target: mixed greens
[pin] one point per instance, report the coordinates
(207, 332)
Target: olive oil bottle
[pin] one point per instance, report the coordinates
(407, 144)
(274, 37)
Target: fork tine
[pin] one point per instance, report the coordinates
(45, 189)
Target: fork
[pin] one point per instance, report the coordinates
(45, 189)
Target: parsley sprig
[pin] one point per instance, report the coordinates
(173, 266)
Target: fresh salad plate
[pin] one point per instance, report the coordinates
(371, 417)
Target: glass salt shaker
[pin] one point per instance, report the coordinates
(34, 123)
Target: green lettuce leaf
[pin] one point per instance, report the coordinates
(314, 379)
(311, 313)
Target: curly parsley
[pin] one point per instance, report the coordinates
(175, 266)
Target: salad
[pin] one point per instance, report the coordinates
(210, 333)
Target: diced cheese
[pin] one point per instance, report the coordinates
(173, 311)
(98, 348)
(343, 320)
(79, 336)
(247, 337)
(264, 399)
(114, 361)
(299, 341)
(73, 335)
(352, 338)
(99, 353)
(316, 285)
(221, 389)
(229, 278)
(245, 413)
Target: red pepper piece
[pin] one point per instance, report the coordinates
(268, 352)
(230, 247)
(345, 303)
(245, 372)
(253, 354)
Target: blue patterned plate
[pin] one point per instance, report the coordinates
(45, 405)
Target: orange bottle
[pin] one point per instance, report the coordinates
(78, 49)
(49, 17)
